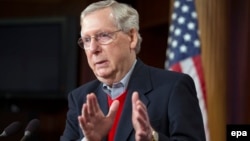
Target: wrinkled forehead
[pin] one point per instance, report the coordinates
(102, 18)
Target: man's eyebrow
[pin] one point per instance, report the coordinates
(98, 32)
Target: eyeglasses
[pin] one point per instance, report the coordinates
(102, 38)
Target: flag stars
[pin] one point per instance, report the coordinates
(177, 32)
(183, 39)
(171, 28)
(181, 20)
(183, 49)
(184, 8)
(174, 44)
(166, 64)
(177, 4)
(194, 15)
(174, 16)
(191, 26)
(169, 40)
(197, 43)
(171, 55)
(168, 52)
(187, 37)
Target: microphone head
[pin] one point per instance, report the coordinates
(32, 126)
(11, 129)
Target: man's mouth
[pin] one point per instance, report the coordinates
(101, 63)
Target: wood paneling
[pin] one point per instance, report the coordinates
(225, 50)
(213, 23)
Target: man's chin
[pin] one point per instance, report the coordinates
(102, 75)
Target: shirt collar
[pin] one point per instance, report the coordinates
(120, 87)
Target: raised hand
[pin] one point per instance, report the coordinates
(94, 124)
(140, 119)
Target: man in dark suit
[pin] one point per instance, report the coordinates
(129, 101)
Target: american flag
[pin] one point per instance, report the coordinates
(184, 49)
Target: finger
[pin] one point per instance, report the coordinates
(113, 109)
(85, 112)
(91, 103)
(96, 106)
(142, 110)
(143, 124)
(82, 109)
(140, 119)
(143, 127)
(138, 105)
(135, 97)
(140, 116)
(82, 122)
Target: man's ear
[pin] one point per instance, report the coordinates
(133, 33)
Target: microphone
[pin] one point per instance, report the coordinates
(11, 129)
(30, 128)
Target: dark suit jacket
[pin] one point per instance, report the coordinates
(170, 99)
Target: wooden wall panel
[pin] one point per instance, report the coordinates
(212, 15)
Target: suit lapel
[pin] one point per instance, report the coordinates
(102, 100)
(140, 82)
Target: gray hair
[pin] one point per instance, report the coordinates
(126, 17)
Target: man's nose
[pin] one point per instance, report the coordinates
(93, 46)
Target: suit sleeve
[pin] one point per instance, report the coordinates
(185, 119)
(71, 131)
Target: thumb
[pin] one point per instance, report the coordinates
(113, 109)
(135, 98)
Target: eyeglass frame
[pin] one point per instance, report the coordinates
(112, 34)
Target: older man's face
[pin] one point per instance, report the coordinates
(110, 62)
